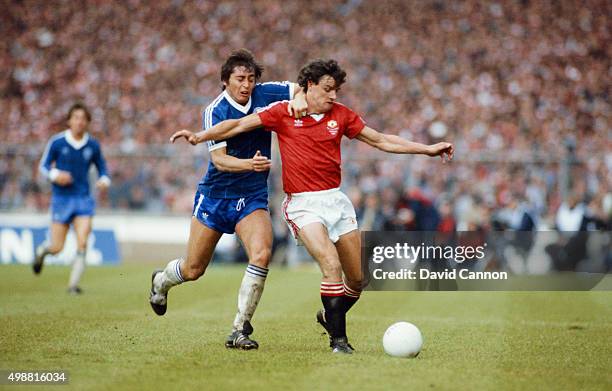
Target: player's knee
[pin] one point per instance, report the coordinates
(55, 248)
(356, 284)
(261, 257)
(191, 272)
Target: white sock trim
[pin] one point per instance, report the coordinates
(250, 292)
(169, 277)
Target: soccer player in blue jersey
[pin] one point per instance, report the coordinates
(233, 195)
(66, 162)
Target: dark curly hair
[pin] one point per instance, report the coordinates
(316, 69)
(78, 106)
(240, 58)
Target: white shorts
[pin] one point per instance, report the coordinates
(332, 208)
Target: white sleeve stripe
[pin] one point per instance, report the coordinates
(209, 115)
(208, 119)
(292, 90)
(208, 123)
(278, 83)
(209, 111)
(41, 165)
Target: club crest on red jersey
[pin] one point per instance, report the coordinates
(332, 127)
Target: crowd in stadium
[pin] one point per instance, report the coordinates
(522, 88)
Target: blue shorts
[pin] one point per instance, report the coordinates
(223, 214)
(65, 208)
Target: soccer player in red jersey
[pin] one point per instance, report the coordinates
(318, 214)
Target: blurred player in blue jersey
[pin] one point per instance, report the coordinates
(233, 195)
(66, 162)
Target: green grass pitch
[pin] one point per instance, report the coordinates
(109, 338)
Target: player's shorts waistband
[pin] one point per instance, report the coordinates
(314, 193)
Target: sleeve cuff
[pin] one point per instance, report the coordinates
(105, 180)
(292, 88)
(53, 174)
(212, 147)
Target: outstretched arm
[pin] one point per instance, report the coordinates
(221, 131)
(395, 144)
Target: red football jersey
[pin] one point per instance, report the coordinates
(310, 149)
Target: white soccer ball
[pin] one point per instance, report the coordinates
(402, 339)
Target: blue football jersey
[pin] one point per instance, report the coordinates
(218, 184)
(75, 157)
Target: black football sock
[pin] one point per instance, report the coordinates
(350, 297)
(332, 294)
